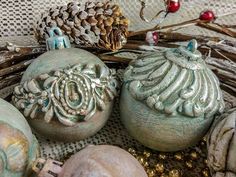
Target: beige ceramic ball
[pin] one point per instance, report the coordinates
(222, 146)
(102, 161)
(66, 94)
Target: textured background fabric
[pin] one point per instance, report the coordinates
(19, 16)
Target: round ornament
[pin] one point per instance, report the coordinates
(102, 160)
(169, 98)
(18, 146)
(66, 94)
(222, 145)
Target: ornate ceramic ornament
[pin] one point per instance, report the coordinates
(67, 92)
(169, 98)
(18, 147)
(222, 145)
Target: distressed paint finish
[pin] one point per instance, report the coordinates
(170, 98)
(222, 145)
(18, 147)
(66, 93)
(102, 161)
(70, 95)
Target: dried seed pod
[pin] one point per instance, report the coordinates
(99, 19)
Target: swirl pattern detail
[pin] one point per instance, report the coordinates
(14, 148)
(71, 95)
(173, 83)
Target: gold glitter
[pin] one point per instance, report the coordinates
(189, 164)
(178, 156)
(162, 156)
(174, 173)
(164, 175)
(159, 168)
(146, 164)
(194, 155)
(151, 172)
(205, 173)
(146, 154)
(141, 160)
(131, 150)
(164, 164)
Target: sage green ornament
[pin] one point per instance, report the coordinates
(18, 146)
(66, 94)
(169, 98)
(221, 145)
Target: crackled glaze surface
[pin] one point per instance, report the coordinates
(18, 147)
(169, 98)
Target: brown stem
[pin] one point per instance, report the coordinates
(15, 68)
(21, 54)
(178, 37)
(135, 45)
(221, 46)
(114, 59)
(10, 80)
(194, 21)
(217, 29)
(225, 25)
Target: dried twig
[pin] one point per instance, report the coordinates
(178, 37)
(10, 80)
(221, 46)
(15, 68)
(223, 29)
(218, 29)
(13, 54)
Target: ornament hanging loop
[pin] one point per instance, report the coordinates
(57, 40)
(142, 16)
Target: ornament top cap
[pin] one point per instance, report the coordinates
(192, 46)
(190, 51)
(57, 40)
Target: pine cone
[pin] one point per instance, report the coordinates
(95, 24)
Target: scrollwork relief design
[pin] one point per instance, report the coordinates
(71, 95)
(175, 82)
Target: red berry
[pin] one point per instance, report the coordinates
(207, 15)
(155, 37)
(152, 38)
(173, 6)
